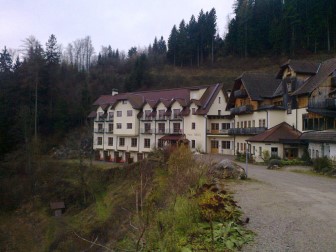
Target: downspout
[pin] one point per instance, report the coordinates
(205, 134)
(234, 136)
(267, 118)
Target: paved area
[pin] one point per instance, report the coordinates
(288, 211)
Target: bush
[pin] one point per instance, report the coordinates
(323, 165)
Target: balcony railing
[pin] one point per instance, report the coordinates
(147, 131)
(218, 132)
(100, 118)
(325, 104)
(240, 94)
(161, 132)
(147, 118)
(99, 130)
(241, 110)
(247, 131)
(176, 117)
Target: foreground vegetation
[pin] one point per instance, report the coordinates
(162, 204)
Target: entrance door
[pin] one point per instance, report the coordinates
(127, 157)
(214, 146)
(116, 157)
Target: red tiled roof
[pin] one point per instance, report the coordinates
(277, 133)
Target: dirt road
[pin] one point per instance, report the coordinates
(288, 211)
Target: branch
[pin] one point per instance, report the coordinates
(93, 243)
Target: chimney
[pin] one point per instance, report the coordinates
(114, 91)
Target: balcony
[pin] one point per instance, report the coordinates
(218, 132)
(246, 109)
(176, 118)
(99, 131)
(162, 118)
(247, 131)
(331, 103)
(240, 93)
(101, 118)
(323, 104)
(146, 131)
(147, 118)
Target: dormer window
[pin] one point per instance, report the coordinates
(193, 111)
(219, 100)
(289, 86)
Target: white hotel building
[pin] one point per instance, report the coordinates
(283, 114)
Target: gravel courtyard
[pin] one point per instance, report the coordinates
(288, 211)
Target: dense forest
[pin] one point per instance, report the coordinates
(48, 89)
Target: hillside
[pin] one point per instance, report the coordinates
(157, 205)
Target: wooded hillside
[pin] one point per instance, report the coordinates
(47, 90)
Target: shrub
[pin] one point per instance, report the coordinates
(323, 165)
(266, 156)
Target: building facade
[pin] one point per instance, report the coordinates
(250, 117)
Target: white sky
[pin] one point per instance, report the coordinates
(119, 23)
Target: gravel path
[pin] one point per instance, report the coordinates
(288, 211)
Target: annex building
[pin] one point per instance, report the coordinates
(283, 113)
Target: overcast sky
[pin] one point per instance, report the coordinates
(119, 23)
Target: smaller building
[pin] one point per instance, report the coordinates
(320, 143)
(281, 141)
(58, 208)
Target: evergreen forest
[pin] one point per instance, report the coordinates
(47, 88)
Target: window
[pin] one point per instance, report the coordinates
(100, 127)
(219, 112)
(253, 150)
(129, 113)
(129, 125)
(226, 145)
(193, 125)
(241, 124)
(124, 101)
(147, 143)
(219, 100)
(225, 126)
(260, 151)
(193, 144)
(119, 113)
(110, 127)
(147, 114)
(147, 128)
(110, 141)
(249, 124)
(161, 127)
(134, 142)
(161, 113)
(274, 152)
(111, 115)
(160, 143)
(176, 113)
(214, 126)
(121, 141)
(262, 123)
(289, 108)
(99, 140)
(176, 128)
(118, 125)
(245, 124)
(193, 111)
(214, 144)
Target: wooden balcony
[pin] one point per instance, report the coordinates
(240, 93)
(247, 131)
(246, 109)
